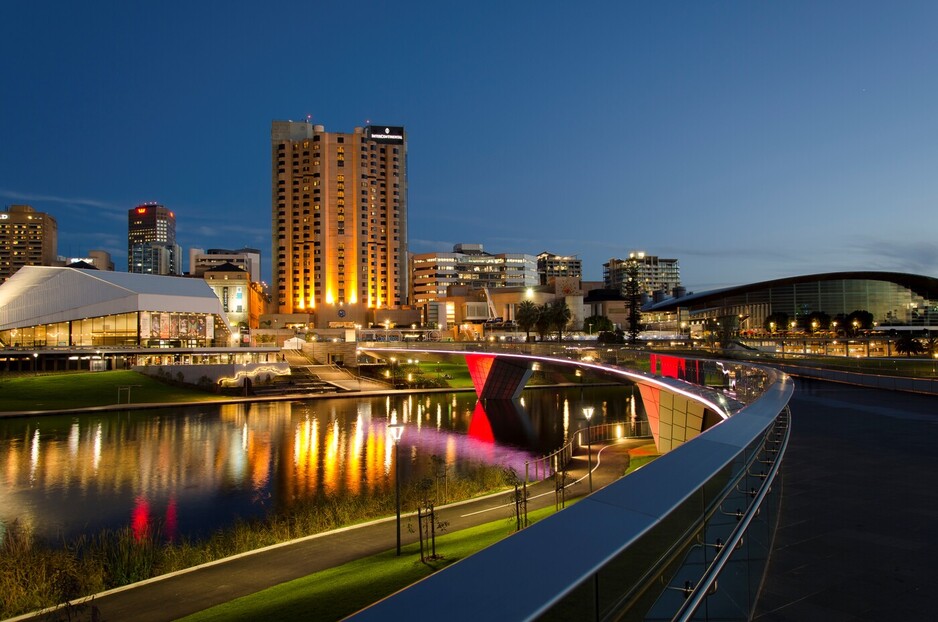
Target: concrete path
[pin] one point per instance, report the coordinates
(858, 532)
(173, 596)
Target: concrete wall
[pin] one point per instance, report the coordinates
(224, 375)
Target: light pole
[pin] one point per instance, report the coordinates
(588, 413)
(396, 430)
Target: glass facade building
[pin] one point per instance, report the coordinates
(893, 299)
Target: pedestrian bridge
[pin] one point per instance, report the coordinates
(684, 537)
(677, 410)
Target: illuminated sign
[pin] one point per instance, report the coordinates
(141, 210)
(389, 135)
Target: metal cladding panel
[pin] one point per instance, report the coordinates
(42, 295)
(506, 379)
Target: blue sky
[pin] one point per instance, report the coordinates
(749, 140)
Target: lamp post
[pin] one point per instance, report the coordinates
(396, 430)
(588, 413)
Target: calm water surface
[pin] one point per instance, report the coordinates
(195, 469)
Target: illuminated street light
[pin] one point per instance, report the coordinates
(588, 413)
(396, 430)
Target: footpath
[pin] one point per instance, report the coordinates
(175, 595)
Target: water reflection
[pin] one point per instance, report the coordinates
(188, 471)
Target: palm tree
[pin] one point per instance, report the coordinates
(543, 323)
(909, 345)
(526, 315)
(559, 317)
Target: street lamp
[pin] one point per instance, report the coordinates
(588, 413)
(396, 430)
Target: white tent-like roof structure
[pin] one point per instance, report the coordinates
(37, 295)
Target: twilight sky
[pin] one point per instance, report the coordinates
(750, 140)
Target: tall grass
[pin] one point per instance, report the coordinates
(35, 574)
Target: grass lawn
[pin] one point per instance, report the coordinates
(338, 592)
(640, 456)
(80, 389)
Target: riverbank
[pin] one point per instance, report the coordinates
(62, 394)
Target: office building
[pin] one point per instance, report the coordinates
(339, 214)
(151, 241)
(468, 266)
(550, 266)
(249, 259)
(655, 274)
(27, 238)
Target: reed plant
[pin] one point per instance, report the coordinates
(36, 574)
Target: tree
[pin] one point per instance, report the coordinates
(543, 323)
(776, 321)
(526, 315)
(860, 320)
(596, 324)
(560, 315)
(909, 345)
(816, 320)
(633, 295)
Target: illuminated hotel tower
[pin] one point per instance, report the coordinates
(339, 213)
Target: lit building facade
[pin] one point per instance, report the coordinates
(339, 214)
(468, 266)
(249, 259)
(43, 307)
(654, 273)
(894, 300)
(551, 266)
(241, 298)
(151, 241)
(99, 259)
(27, 238)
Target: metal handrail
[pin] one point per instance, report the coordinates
(703, 587)
(559, 458)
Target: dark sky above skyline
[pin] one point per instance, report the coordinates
(749, 140)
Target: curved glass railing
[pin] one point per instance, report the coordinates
(686, 537)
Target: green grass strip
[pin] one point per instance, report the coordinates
(338, 592)
(85, 389)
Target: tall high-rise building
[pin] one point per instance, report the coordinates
(151, 241)
(27, 238)
(339, 213)
(654, 273)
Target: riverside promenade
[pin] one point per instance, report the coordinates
(176, 595)
(858, 531)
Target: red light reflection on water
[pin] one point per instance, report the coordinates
(140, 518)
(171, 528)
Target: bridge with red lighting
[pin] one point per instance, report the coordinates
(678, 409)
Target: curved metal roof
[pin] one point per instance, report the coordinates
(924, 286)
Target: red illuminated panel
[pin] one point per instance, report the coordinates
(141, 210)
(669, 366)
(479, 367)
(480, 428)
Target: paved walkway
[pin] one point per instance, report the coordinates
(858, 531)
(173, 596)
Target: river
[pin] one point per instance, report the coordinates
(195, 469)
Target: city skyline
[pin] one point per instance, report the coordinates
(750, 142)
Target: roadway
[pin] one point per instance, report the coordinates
(858, 530)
